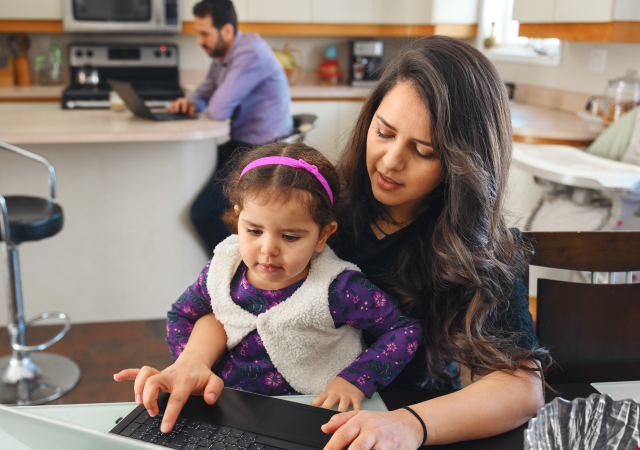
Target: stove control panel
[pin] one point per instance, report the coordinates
(123, 55)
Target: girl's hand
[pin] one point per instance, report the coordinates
(364, 430)
(187, 376)
(340, 390)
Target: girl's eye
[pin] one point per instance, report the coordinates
(254, 232)
(383, 136)
(290, 238)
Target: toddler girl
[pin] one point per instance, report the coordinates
(291, 309)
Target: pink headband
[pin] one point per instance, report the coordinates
(298, 164)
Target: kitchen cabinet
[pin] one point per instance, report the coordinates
(455, 12)
(579, 20)
(31, 10)
(335, 123)
(279, 11)
(403, 12)
(340, 11)
(538, 11)
(564, 11)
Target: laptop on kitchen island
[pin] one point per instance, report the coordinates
(237, 421)
(135, 104)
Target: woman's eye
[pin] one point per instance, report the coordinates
(254, 232)
(429, 155)
(383, 136)
(290, 238)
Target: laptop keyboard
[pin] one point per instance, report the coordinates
(192, 435)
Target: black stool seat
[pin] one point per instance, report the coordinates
(32, 218)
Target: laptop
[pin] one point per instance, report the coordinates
(135, 104)
(237, 421)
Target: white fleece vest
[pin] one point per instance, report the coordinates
(298, 334)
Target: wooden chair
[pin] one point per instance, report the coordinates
(592, 330)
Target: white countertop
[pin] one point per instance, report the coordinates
(528, 121)
(542, 123)
(299, 92)
(64, 126)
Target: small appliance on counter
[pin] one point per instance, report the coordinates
(152, 69)
(621, 96)
(118, 16)
(365, 63)
(329, 70)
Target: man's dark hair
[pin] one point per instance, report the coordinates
(221, 12)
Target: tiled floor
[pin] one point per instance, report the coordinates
(102, 349)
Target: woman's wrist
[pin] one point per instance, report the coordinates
(414, 425)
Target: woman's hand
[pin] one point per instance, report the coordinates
(187, 376)
(364, 430)
(342, 392)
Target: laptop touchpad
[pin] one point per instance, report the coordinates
(295, 421)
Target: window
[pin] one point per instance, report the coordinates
(498, 38)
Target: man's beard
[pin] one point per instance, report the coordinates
(218, 50)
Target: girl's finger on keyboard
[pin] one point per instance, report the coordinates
(345, 401)
(319, 400)
(331, 400)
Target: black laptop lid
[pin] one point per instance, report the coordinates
(131, 99)
(279, 419)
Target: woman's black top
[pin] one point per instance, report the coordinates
(375, 257)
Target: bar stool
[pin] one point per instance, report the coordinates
(30, 378)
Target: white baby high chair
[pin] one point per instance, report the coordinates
(583, 192)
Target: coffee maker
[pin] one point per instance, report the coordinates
(365, 63)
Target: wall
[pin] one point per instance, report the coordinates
(573, 74)
(193, 58)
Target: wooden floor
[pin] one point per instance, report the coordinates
(102, 349)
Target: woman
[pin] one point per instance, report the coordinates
(427, 168)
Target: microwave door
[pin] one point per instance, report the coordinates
(112, 10)
(124, 16)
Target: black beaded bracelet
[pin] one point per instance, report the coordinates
(424, 427)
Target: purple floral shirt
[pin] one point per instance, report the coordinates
(353, 301)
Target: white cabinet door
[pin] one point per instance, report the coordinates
(455, 11)
(627, 11)
(348, 113)
(403, 12)
(31, 9)
(239, 5)
(343, 11)
(324, 136)
(584, 11)
(296, 11)
(534, 11)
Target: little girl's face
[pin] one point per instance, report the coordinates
(277, 241)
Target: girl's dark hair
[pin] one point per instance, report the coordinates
(280, 182)
(456, 272)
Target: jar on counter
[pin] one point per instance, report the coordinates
(621, 96)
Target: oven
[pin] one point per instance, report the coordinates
(122, 16)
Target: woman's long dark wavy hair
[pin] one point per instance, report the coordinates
(458, 272)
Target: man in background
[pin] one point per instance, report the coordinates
(246, 84)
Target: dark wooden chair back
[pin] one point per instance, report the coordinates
(592, 330)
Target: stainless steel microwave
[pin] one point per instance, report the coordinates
(123, 16)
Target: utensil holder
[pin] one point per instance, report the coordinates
(6, 74)
(23, 73)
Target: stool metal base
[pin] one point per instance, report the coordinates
(58, 375)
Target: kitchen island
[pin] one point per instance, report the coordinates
(127, 249)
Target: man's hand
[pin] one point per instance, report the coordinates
(187, 376)
(340, 391)
(181, 106)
